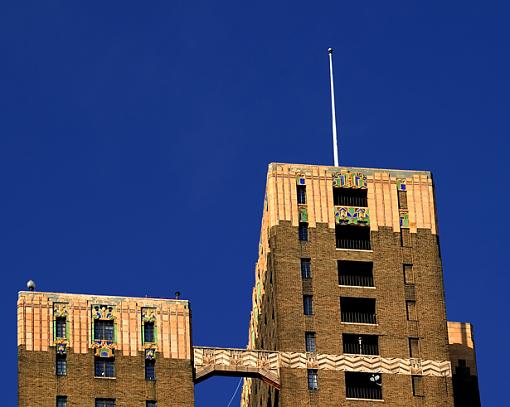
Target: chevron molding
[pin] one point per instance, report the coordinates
(235, 359)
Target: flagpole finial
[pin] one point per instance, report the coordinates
(330, 50)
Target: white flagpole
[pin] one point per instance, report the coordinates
(333, 114)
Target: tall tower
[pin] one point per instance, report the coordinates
(349, 289)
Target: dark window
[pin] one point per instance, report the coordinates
(303, 231)
(150, 403)
(350, 197)
(462, 370)
(358, 310)
(105, 402)
(405, 238)
(150, 369)
(306, 268)
(308, 304)
(355, 273)
(148, 332)
(301, 194)
(361, 344)
(103, 330)
(60, 327)
(408, 274)
(352, 237)
(61, 401)
(417, 386)
(313, 379)
(411, 311)
(402, 199)
(104, 367)
(414, 347)
(61, 365)
(310, 341)
(363, 385)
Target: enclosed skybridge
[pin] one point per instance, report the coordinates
(236, 362)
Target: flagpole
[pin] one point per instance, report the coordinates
(333, 114)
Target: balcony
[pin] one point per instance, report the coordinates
(358, 310)
(352, 237)
(360, 344)
(355, 273)
(363, 385)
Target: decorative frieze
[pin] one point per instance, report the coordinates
(148, 315)
(60, 310)
(401, 184)
(103, 312)
(303, 213)
(350, 180)
(345, 215)
(300, 179)
(103, 348)
(404, 219)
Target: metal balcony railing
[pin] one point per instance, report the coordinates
(356, 280)
(359, 317)
(366, 348)
(353, 244)
(374, 393)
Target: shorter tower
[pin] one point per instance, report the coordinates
(103, 351)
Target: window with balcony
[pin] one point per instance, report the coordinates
(303, 231)
(310, 341)
(313, 379)
(358, 310)
(306, 269)
(350, 197)
(61, 365)
(103, 330)
(60, 327)
(352, 237)
(363, 385)
(301, 194)
(355, 273)
(361, 344)
(104, 367)
(308, 304)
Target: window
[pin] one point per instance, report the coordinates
(350, 197)
(414, 347)
(355, 273)
(361, 344)
(462, 370)
(417, 386)
(150, 369)
(303, 231)
(358, 310)
(61, 365)
(405, 238)
(105, 402)
(306, 268)
(363, 385)
(411, 311)
(313, 379)
(103, 330)
(308, 304)
(402, 199)
(310, 341)
(148, 332)
(60, 327)
(104, 367)
(61, 401)
(301, 194)
(408, 274)
(352, 237)
(150, 403)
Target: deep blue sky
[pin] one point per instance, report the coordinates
(135, 137)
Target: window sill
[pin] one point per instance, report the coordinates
(358, 323)
(355, 250)
(357, 286)
(104, 377)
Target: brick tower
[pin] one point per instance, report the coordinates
(349, 290)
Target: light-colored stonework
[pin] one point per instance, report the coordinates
(37, 311)
(381, 184)
(461, 344)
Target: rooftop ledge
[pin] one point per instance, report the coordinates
(117, 298)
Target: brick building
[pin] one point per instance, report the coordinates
(348, 309)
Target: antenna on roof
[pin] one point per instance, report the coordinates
(333, 115)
